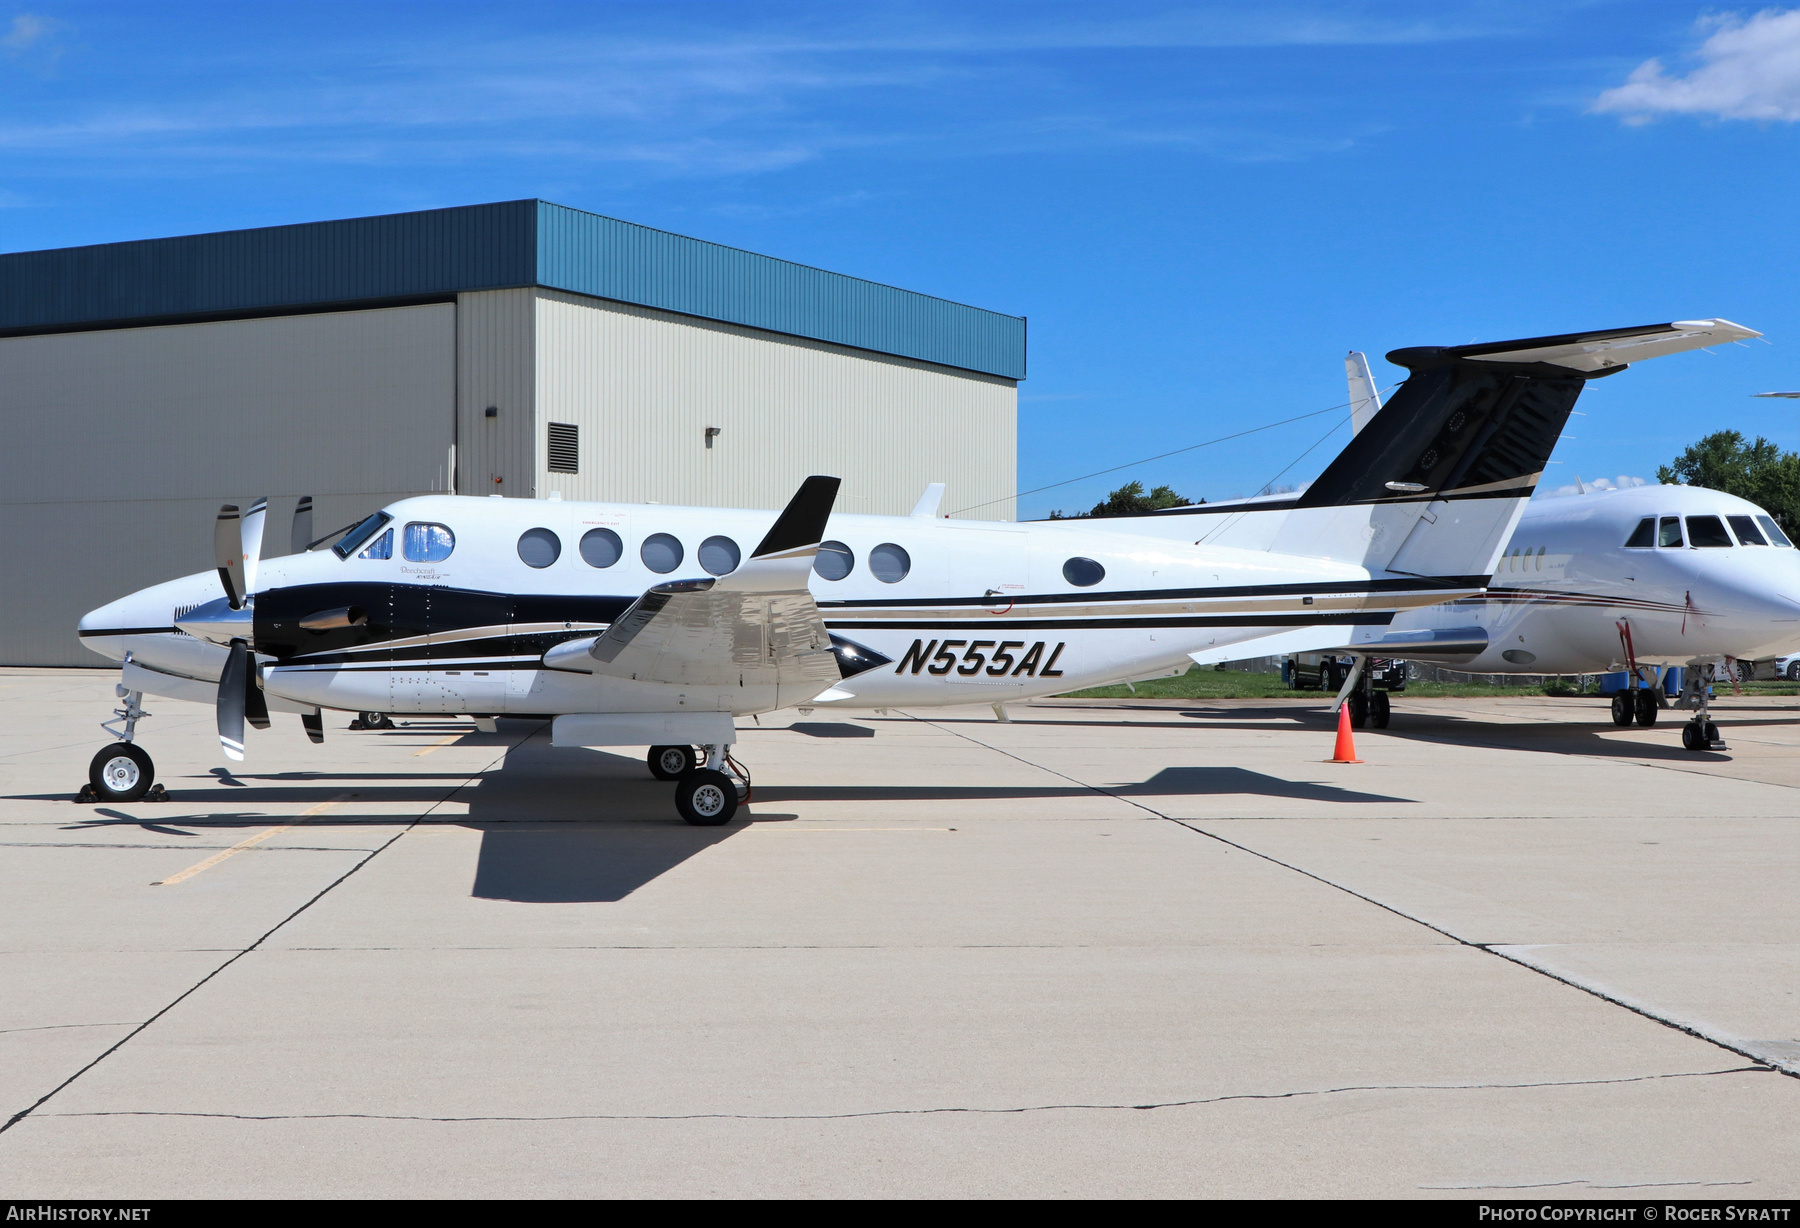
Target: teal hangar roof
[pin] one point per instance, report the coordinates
(433, 255)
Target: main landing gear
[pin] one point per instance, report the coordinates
(704, 795)
(124, 771)
(1637, 705)
(1370, 707)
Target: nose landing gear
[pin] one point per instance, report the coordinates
(1699, 733)
(124, 771)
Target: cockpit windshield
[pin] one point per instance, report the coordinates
(361, 533)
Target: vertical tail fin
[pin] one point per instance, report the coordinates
(1364, 400)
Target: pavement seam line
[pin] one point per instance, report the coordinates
(1193, 1102)
(1190, 825)
(371, 855)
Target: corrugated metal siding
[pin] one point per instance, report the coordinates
(644, 385)
(495, 365)
(606, 258)
(121, 446)
(402, 255)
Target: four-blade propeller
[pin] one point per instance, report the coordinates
(237, 552)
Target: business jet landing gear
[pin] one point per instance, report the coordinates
(670, 762)
(1699, 733)
(706, 796)
(123, 772)
(372, 720)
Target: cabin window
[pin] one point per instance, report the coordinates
(427, 543)
(1707, 531)
(1083, 573)
(834, 561)
(890, 563)
(1670, 533)
(719, 556)
(601, 548)
(348, 543)
(1746, 531)
(661, 553)
(539, 547)
(1773, 530)
(1643, 536)
(1540, 557)
(381, 548)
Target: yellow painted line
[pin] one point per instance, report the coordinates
(439, 744)
(252, 842)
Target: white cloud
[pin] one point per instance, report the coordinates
(27, 28)
(1622, 482)
(1750, 69)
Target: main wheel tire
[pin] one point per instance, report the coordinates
(670, 762)
(374, 720)
(1623, 710)
(1381, 710)
(121, 772)
(706, 798)
(1646, 708)
(1359, 710)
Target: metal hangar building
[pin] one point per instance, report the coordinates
(520, 348)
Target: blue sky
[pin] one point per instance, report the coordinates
(1200, 207)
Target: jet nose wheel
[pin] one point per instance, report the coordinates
(706, 798)
(121, 772)
(671, 762)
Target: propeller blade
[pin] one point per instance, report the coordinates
(253, 542)
(231, 700)
(315, 725)
(228, 554)
(256, 706)
(302, 532)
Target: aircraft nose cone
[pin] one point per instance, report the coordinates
(217, 623)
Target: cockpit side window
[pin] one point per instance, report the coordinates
(427, 543)
(349, 542)
(1644, 536)
(381, 548)
(1707, 531)
(1776, 536)
(1745, 528)
(1671, 531)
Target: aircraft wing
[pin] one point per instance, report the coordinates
(1438, 643)
(757, 626)
(1602, 351)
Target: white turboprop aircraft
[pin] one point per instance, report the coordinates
(635, 625)
(1603, 581)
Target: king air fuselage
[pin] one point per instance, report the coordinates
(451, 604)
(1710, 577)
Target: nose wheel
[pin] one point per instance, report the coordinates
(122, 772)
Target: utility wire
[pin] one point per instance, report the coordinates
(1177, 452)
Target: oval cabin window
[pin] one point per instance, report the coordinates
(890, 563)
(834, 561)
(601, 548)
(539, 547)
(661, 553)
(1083, 573)
(719, 556)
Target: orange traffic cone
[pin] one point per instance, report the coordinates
(1346, 746)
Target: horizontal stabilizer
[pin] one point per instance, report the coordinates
(1592, 353)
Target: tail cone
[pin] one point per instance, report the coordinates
(1346, 746)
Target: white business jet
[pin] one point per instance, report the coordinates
(1637, 579)
(646, 625)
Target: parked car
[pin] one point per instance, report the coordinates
(1325, 672)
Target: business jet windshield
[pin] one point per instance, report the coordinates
(359, 534)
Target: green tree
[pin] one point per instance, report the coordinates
(1128, 499)
(1760, 472)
